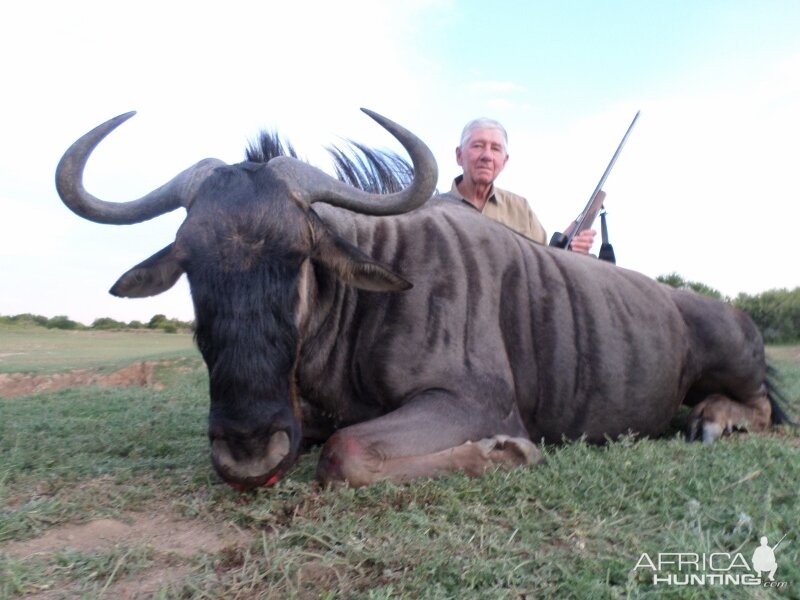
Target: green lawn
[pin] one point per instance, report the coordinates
(30, 349)
(573, 528)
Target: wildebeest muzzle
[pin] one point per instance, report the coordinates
(257, 456)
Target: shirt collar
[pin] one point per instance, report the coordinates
(454, 190)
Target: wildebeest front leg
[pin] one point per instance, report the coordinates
(429, 437)
(718, 414)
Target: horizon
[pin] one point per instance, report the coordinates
(190, 321)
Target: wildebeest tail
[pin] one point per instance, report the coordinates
(776, 397)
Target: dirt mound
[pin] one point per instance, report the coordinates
(165, 535)
(21, 384)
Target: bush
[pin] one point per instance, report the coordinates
(25, 319)
(102, 323)
(107, 323)
(676, 281)
(157, 321)
(168, 325)
(62, 322)
(776, 312)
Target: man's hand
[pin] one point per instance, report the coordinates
(583, 241)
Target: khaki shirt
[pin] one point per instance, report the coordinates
(509, 209)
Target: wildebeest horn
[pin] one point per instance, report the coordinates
(69, 182)
(314, 185)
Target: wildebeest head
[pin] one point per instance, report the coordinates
(249, 246)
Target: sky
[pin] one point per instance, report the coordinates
(706, 185)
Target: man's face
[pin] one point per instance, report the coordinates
(483, 156)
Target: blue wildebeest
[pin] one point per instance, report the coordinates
(310, 326)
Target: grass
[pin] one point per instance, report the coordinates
(31, 349)
(573, 528)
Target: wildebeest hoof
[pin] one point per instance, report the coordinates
(718, 415)
(706, 431)
(510, 451)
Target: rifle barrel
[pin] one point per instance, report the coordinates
(614, 158)
(562, 240)
(779, 542)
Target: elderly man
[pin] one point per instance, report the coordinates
(482, 155)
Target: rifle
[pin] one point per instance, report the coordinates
(595, 205)
(775, 547)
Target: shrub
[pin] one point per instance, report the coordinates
(157, 321)
(676, 281)
(168, 325)
(25, 319)
(107, 323)
(62, 322)
(776, 312)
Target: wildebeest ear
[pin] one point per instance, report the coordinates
(155, 275)
(354, 267)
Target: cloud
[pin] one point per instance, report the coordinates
(494, 87)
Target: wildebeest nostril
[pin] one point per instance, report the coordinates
(278, 448)
(256, 465)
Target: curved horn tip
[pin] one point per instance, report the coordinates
(373, 114)
(107, 127)
(124, 116)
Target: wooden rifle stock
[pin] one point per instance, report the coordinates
(582, 222)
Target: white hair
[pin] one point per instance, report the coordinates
(483, 123)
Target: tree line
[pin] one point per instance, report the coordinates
(776, 312)
(157, 322)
